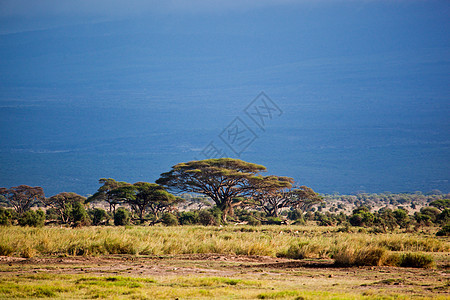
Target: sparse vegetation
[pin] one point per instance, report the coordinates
(283, 241)
(279, 223)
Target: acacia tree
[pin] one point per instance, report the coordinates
(221, 179)
(304, 198)
(144, 196)
(276, 193)
(22, 197)
(63, 203)
(105, 193)
(271, 194)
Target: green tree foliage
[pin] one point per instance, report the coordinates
(79, 216)
(32, 218)
(444, 216)
(22, 197)
(271, 194)
(63, 204)
(122, 217)
(362, 217)
(99, 216)
(444, 231)
(402, 218)
(5, 217)
(441, 204)
(144, 196)
(304, 198)
(206, 217)
(169, 219)
(188, 218)
(222, 180)
(295, 214)
(106, 193)
(431, 212)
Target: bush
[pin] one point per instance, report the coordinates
(169, 219)
(51, 214)
(295, 214)
(206, 218)
(253, 221)
(445, 231)
(444, 216)
(122, 217)
(362, 217)
(32, 218)
(79, 215)
(99, 215)
(188, 218)
(5, 217)
(274, 221)
(430, 211)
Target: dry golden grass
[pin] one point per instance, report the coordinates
(282, 241)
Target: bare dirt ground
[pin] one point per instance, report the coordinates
(308, 274)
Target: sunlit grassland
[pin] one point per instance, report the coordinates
(214, 279)
(188, 287)
(311, 241)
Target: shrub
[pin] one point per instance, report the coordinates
(121, 217)
(295, 214)
(445, 230)
(188, 218)
(206, 218)
(5, 217)
(274, 221)
(169, 219)
(362, 217)
(430, 211)
(444, 216)
(32, 218)
(401, 217)
(79, 215)
(253, 221)
(51, 214)
(99, 215)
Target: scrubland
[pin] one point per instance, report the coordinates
(229, 262)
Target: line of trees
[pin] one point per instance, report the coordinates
(230, 183)
(239, 191)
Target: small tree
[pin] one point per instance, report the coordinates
(304, 198)
(144, 196)
(222, 179)
(5, 217)
(22, 197)
(122, 217)
(169, 219)
(79, 216)
(271, 193)
(105, 193)
(99, 215)
(63, 203)
(32, 218)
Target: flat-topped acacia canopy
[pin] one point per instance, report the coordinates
(221, 179)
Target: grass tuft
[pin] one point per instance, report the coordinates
(278, 295)
(369, 256)
(416, 260)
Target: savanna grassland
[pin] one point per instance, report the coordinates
(230, 262)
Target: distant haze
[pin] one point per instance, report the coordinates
(126, 89)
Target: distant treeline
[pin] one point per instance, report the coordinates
(222, 191)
